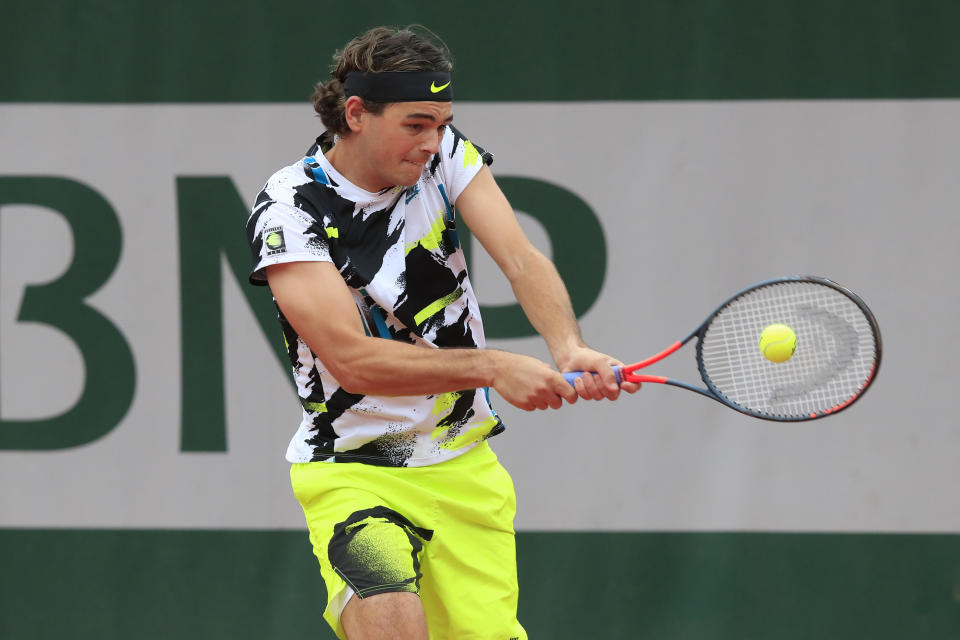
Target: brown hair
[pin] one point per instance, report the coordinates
(413, 48)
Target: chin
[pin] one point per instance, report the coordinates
(411, 173)
(409, 180)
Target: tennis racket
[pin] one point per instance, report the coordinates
(837, 353)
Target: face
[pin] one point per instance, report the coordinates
(396, 145)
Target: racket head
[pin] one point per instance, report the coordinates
(838, 349)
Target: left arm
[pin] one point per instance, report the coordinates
(536, 285)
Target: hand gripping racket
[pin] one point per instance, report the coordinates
(836, 358)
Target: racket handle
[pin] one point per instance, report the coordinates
(570, 376)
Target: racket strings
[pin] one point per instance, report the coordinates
(834, 359)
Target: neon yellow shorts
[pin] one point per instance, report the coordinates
(444, 531)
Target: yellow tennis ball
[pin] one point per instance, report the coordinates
(778, 342)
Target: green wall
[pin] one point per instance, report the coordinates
(252, 51)
(683, 586)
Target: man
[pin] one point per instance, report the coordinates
(410, 513)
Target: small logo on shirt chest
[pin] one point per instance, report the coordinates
(412, 193)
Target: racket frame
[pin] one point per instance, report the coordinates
(628, 374)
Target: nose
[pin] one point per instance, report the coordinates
(431, 142)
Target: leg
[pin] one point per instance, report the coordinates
(396, 615)
(368, 552)
(377, 553)
(470, 571)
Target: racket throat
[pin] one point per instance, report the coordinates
(632, 377)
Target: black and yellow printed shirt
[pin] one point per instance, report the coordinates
(399, 254)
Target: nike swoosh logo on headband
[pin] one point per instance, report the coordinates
(435, 89)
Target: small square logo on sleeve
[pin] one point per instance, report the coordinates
(273, 238)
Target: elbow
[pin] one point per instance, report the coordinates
(349, 376)
(348, 358)
(524, 264)
(354, 370)
(356, 386)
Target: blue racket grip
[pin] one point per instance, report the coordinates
(570, 376)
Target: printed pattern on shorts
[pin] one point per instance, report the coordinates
(378, 550)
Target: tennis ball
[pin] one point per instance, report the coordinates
(778, 342)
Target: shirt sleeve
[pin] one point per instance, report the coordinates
(278, 233)
(460, 161)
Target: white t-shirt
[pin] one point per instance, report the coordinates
(399, 253)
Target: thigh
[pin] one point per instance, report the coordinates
(363, 541)
(470, 589)
(386, 616)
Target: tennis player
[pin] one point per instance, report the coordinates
(409, 511)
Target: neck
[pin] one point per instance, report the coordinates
(347, 159)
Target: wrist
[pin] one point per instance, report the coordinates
(564, 354)
(491, 366)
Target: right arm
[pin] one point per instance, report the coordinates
(318, 304)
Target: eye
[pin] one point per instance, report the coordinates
(416, 128)
(442, 129)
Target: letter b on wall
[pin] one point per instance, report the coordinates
(110, 376)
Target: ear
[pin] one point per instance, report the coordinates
(353, 111)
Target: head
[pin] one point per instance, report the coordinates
(375, 103)
(381, 49)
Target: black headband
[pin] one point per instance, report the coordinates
(399, 86)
